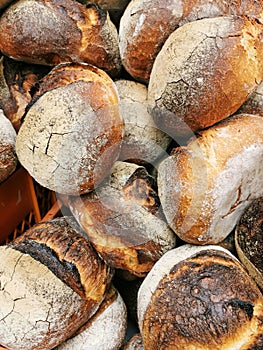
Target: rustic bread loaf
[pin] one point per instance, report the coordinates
(124, 221)
(249, 240)
(204, 187)
(200, 298)
(254, 104)
(8, 158)
(146, 25)
(17, 80)
(72, 130)
(50, 32)
(135, 343)
(143, 142)
(105, 330)
(204, 72)
(52, 282)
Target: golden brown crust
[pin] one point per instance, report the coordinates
(50, 32)
(207, 301)
(60, 246)
(249, 240)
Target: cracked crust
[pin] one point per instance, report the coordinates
(186, 92)
(146, 25)
(204, 187)
(69, 145)
(8, 158)
(105, 330)
(123, 220)
(249, 240)
(200, 298)
(50, 32)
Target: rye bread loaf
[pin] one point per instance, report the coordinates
(8, 158)
(200, 298)
(146, 25)
(72, 130)
(204, 72)
(105, 330)
(143, 142)
(124, 221)
(205, 186)
(249, 240)
(50, 32)
(52, 282)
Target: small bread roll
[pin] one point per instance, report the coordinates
(249, 240)
(143, 141)
(205, 186)
(200, 298)
(8, 158)
(124, 221)
(105, 330)
(72, 132)
(52, 281)
(187, 92)
(50, 32)
(135, 343)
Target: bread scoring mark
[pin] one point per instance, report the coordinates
(201, 301)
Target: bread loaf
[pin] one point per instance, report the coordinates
(143, 142)
(254, 104)
(8, 158)
(146, 25)
(249, 240)
(105, 330)
(72, 130)
(200, 298)
(52, 282)
(123, 220)
(205, 186)
(50, 32)
(204, 72)
(135, 343)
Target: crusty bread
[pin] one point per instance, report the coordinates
(135, 343)
(143, 141)
(200, 298)
(204, 187)
(52, 282)
(70, 144)
(8, 158)
(50, 32)
(105, 330)
(124, 221)
(204, 72)
(249, 240)
(254, 104)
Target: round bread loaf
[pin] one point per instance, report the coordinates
(204, 187)
(8, 158)
(186, 92)
(249, 240)
(50, 32)
(105, 330)
(146, 25)
(72, 130)
(123, 220)
(135, 343)
(200, 298)
(52, 281)
(143, 142)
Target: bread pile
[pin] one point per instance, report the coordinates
(145, 118)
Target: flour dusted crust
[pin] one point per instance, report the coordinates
(52, 281)
(254, 104)
(204, 187)
(70, 144)
(186, 92)
(123, 220)
(200, 298)
(135, 343)
(51, 32)
(8, 158)
(143, 141)
(105, 330)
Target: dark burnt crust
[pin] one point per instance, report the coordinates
(60, 245)
(205, 299)
(249, 233)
